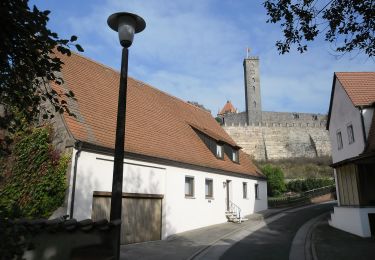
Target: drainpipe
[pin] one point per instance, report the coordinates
(78, 146)
(363, 129)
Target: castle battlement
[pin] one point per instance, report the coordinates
(284, 125)
(253, 58)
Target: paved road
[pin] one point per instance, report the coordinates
(274, 240)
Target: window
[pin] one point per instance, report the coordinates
(339, 140)
(349, 128)
(219, 151)
(235, 155)
(209, 188)
(256, 191)
(255, 104)
(189, 186)
(244, 190)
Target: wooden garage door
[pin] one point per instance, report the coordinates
(141, 215)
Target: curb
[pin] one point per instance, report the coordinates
(302, 246)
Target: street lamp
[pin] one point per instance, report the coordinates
(126, 24)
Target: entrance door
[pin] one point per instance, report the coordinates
(228, 194)
(140, 219)
(371, 218)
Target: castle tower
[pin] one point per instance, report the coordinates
(252, 90)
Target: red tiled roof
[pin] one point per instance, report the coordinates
(157, 124)
(360, 86)
(228, 108)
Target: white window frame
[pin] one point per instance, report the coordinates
(219, 151)
(244, 190)
(350, 131)
(256, 189)
(210, 182)
(235, 156)
(189, 194)
(340, 144)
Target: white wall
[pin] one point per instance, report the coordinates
(352, 220)
(94, 173)
(184, 214)
(344, 113)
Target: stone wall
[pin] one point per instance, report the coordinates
(286, 119)
(275, 142)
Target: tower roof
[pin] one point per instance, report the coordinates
(228, 108)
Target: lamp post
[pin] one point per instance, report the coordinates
(126, 24)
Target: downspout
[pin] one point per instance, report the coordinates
(78, 146)
(363, 130)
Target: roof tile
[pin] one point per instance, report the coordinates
(360, 86)
(157, 124)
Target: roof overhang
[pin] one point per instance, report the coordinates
(362, 158)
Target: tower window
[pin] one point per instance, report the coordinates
(254, 88)
(253, 79)
(255, 104)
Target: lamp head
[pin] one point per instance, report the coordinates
(126, 24)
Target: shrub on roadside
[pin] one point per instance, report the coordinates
(308, 184)
(275, 180)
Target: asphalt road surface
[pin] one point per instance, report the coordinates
(274, 240)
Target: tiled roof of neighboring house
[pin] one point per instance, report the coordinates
(157, 124)
(228, 108)
(360, 86)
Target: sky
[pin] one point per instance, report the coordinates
(194, 50)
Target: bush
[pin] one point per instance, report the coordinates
(309, 184)
(275, 180)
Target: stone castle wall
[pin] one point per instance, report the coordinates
(279, 142)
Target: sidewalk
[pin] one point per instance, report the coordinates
(329, 243)
(187, 245)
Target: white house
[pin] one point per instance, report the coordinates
(351, 125)
(182, 170)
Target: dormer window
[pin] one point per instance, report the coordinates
(235, 156)
(219, 151)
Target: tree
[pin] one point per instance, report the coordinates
(28, 63)
(275, 180)
(348, 24)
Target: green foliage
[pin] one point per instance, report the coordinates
(302, 168)
(28, 62)
(347, 24)
(37, 180)
(309, 184)
(275, 180)
(219, 120)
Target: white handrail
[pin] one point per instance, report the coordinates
(235, 209)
